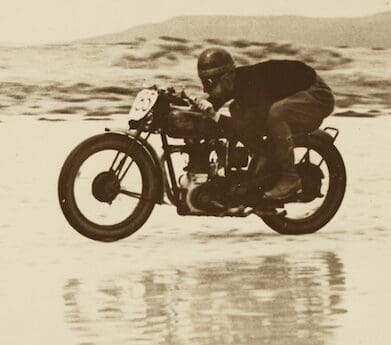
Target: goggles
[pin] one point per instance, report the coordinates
(210, 83)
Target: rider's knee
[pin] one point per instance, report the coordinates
(276, 113)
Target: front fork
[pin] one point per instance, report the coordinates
(122, 163)
(120, 166)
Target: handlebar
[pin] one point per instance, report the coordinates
(191, 100)
(178, 99)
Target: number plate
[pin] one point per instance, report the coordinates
(143, 103)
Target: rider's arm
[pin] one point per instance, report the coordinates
(226, 124)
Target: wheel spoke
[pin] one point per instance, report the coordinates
(305, 157)
(126, 170)
(123, 160)
(118, 165)
(130, 194)
(114, 161)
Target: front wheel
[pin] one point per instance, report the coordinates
(107, 187)
(323, 177)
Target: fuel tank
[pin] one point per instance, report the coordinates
(188, 124)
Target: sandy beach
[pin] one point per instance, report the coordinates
(190, 280)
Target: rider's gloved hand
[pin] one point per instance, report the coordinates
(207, 108)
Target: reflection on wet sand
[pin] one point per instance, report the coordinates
(270, 300)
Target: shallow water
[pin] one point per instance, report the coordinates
(190, 280)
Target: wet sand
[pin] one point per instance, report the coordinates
(190, 280)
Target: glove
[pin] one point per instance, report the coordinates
(207, 108)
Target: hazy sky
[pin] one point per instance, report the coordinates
(39, 21)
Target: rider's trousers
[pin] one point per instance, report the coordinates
(303, 111)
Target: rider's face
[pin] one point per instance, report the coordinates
(220, 87)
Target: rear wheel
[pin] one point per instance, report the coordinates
(323, 177)
(107, 187)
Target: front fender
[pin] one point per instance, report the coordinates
(152, 154)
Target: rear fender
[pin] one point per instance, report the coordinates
(319, 134)
(147, 147)
(323, 135)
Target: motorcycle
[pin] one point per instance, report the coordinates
(111, 182)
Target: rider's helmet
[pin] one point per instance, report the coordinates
(214, 62)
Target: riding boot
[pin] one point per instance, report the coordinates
(289, 183)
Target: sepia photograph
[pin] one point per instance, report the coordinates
(195, 172)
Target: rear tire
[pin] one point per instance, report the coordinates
(69, 174)
(332, 200)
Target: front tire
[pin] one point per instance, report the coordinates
(283, 224)
(97, 187)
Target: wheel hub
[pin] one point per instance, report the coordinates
(106, 186)
(311, 179)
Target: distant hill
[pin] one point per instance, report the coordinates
(371, 31)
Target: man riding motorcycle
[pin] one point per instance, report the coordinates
(281, 97)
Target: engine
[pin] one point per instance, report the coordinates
(214, 167)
